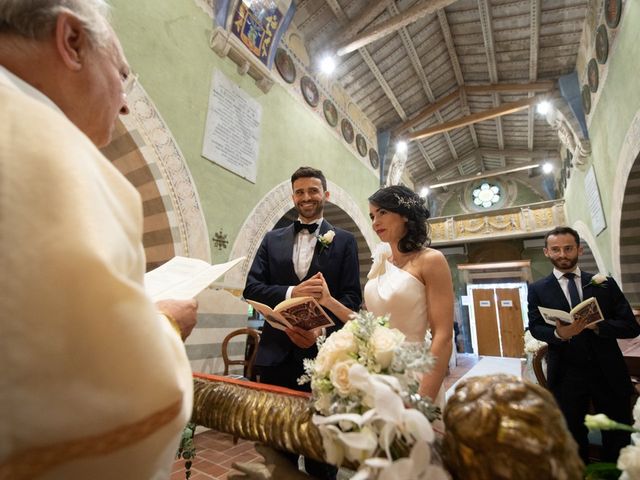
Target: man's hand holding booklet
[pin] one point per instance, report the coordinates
(302, 312)
(588, 309)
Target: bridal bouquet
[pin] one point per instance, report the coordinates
(364, 385)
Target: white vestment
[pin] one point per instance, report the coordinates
(95, 384)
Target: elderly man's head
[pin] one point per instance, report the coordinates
(67, 50)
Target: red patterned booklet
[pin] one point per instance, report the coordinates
(302, 312)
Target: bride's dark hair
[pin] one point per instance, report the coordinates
(403, 201)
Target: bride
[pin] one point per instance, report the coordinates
(408, 280)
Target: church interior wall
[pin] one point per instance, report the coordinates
(614, 107)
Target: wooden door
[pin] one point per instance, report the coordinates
(486, 322)
(511, 328)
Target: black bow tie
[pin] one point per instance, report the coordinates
(310, 227)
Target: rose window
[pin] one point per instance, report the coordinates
(486, 196)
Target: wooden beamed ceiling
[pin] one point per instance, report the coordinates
(456, 78)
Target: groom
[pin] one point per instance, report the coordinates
(291, 262)
(287, 265)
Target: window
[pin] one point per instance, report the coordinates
(486, 195)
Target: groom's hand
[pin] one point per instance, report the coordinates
(303, 338)
(309, 288)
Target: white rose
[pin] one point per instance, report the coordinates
(384, 341)
(340, 377)
(599, 278)
(629, 462)
(339, 346)
(328, 237)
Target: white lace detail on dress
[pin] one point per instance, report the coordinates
(381, 253)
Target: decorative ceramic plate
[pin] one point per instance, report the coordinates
(602, 44)
(374, 160)
(612, 12)
(592, 75)
(309, 91)
(347, 130)
(361, 144)
(586, 99)
(285, 66)
(330, 112)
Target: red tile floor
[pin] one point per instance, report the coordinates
(215, 452)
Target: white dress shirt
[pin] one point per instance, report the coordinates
(564, 285)
(303, 247)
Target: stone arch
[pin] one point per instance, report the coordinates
(266, 214)
(144, 150)
(627, 157)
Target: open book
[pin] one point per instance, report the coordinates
(588, 309)
(182, 278)
(302, 312)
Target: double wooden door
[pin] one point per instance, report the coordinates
(498, 319)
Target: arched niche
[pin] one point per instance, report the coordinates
(273, 206)
(626, 159)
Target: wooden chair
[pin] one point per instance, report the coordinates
(633, 365)
(253, 339)
(538, 369)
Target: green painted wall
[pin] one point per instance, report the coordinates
(167, 44)
(619, 101)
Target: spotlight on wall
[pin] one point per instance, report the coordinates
(327, 64)
(401, 146)
(547, 167)
(543, 107)
(424, 192)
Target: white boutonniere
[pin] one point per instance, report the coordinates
(326, 239)
(598, 280)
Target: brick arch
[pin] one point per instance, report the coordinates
(273, 206)
(144, 150)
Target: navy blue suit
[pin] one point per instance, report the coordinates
(589, 367)
(272, 273)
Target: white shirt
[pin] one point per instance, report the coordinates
(303, 247)
(564, 285)
(564, 282)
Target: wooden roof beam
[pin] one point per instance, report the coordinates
(362, 19)
(486, 174)
(504, 109)
(383, 29)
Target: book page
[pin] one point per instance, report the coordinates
(588, 310)
(306, 315)
(182, 278)
(273, 318)
(550, 315)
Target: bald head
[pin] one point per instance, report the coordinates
(68, 51)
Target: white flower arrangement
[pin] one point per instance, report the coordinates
(364, 385)
(629, 458)
(326, 239)
(531, 344)
(598, 280)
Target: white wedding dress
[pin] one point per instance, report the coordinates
(395, 292)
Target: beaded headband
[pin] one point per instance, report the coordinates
(410, 202)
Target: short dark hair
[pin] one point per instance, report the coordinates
(562, 231)
(404, 201)
(309, 172)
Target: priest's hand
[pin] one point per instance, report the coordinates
(181, 313)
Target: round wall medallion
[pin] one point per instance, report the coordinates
(612, 12)
(592, 75)
(361, 144)
(285, 66)
(586, 99)
(309, 91)
(602, 44)
(347, 130)
(330, 112)
(374, 160)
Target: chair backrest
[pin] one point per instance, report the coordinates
(253, 339)
(538, 358)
